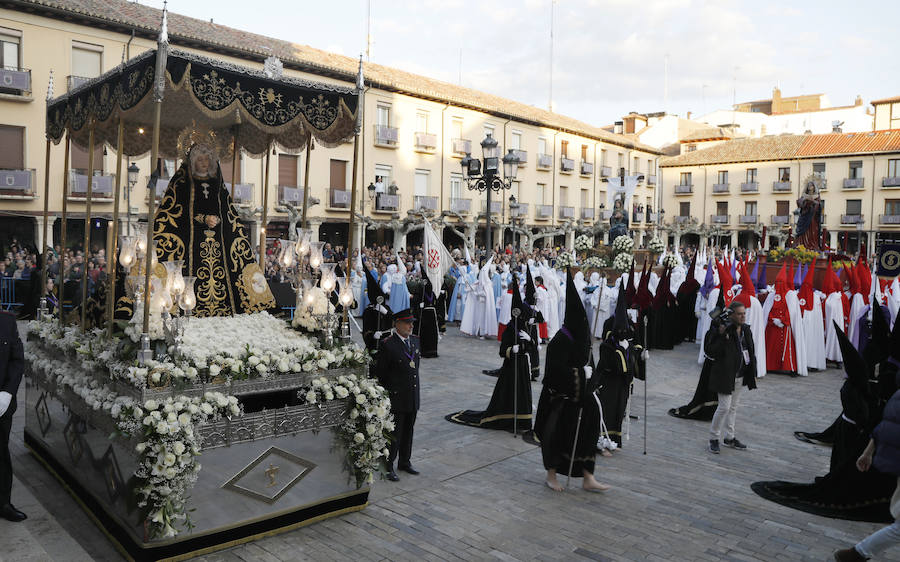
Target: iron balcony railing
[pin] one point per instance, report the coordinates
(544, 211)
(638, 216)
(749, 187)
(15, 80)
(243, 192)
(854, 183)
(781, 219)
(892, 181)
(386, 135)
(651, 179)
(781, 186)
(522, 155)
(545, 161)
(426, 142)
(747, 219)
(587, 213)
(566, 212)
(461, 146)
(681, 219)
(721, 187)
(566, 164)
(520, 210)
(719, 219)
(587, 168)
(853, 219)
(496, 207)
(889, 219)
(460, 205)
(16, 183)
(683, 189)
(426, 202)
(385, 202)
(290, 194)
(605, 171)
(73, 82)
(102, 186)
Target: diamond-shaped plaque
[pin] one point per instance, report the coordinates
(43, 414)
(73, 440)
(270, 475)
(112, 474)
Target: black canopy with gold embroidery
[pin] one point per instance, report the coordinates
(214, 94)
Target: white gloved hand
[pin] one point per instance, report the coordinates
(588, 371)
(697, 315)
(531, 321)
(380, 308)
(645, 355)
(5, 399)
(421, 305)
(524, 336)
(778, 322)
(515, 348)
(624, 344)
(377, 335)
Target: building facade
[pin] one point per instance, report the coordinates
(415, 132)
(734, 188)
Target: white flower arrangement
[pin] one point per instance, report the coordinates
(583, 243)
(366, 432)
(564, 260)
(135, 326)
(623, 243)
(671, 260)
(622, 262)
(305, 315)
(594, 262)
(656, 245)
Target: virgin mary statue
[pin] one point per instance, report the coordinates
(809, 220)
(198, 223)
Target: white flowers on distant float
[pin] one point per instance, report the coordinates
(583, 243)
(594, 262)
(622, 262)
(656, 245)
(565, 259)
(671, 260)
(623, 243)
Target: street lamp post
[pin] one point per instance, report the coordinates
(133, 172)
(489, 180)
(514, 216)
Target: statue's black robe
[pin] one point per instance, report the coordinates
(512, 392)
(566, 395)
(616, 368)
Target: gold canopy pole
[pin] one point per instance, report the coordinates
(265, 211)
(44, 253)
(112, 258)
(360, 92)
(306, 182)
(234, 162)
(62, 234)
(86, 245)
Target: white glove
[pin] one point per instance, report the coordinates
(5, 399)
(778, 322)
(377, 335)
(524, 336)
(531, 321)
(645, 355)
(421, 305)
(515, 348)
(380, 308)
(697, 314)
(588, 371)
(624, 344)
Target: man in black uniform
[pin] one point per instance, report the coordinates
(397, 369)
(376, 317)
(12, 365)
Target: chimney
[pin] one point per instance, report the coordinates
(776, 100)
(858, 101)
(688, 114)
(836, 126)
(618, 127)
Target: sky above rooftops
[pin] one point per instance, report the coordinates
(609, 55)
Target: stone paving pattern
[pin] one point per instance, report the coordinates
(481, 495)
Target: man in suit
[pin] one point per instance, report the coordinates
(12, 365)
(397, 369)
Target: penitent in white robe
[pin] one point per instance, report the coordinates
(757, 322)
(474, 308)
(834, 312)
(705, 321)
(814, 332)
(603, 301)
(857, 304)
(798, 331)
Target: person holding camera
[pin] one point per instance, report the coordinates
(729, 347)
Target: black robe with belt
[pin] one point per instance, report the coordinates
(425, 311)
(565, 395)
(512, 392)
(616, 368)
(685, 318)
(374, 321)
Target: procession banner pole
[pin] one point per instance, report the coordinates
(306, 182)
(515, 314)
(151, 216)
(43, 251)
(360, 91)
(62, 233)
(265, 209)
(112, 258)
(86, 245)
(645, 387)
(234, 162)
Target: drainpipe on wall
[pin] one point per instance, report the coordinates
(871, 247)
(553, 187)
(594, 203)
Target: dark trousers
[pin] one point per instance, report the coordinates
(403, 437)
(5, 461)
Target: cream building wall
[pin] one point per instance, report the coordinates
(47, 44)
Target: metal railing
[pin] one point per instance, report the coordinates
(566, 212)
(587, 168)
(386, 135)
(545, 161)
(461, 146)
(496, 207)
(426, 141)
(890, 181)
(721, 187)
(684, 189)
(460, 205)
(854, 183)
(747, 219)
(587, 213)
(781, 219)
(18, 80)
(522, 155)
(750, 187)
(73, 82)
(605, 171)
(719, 219)
(781, 186)
(651, 179)
(339, 198)
(605, 214)
(853, 219)
(385, 202)
(888, 219)
(520, 211)
(544, 211)
(243, 192)
(290, 194)
(681, 219)
(16, 183)
(102, 186)
(652, 217)
(425, 202)
(638, 216)
(566, 165)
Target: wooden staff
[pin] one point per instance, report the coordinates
(87, 226)
(62, 232)
(265, 210)
(112, 258)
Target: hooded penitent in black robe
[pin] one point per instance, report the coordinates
(229, 279)
(845, 492)
(685, 301)
(704, 402)
(567, 397)
(663, 316)
(425, 309)
(535, 319)
(372, 319)
(512, 392)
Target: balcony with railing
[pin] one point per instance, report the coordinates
(566, 165)
(15, 82)
(522, 155)
(605, 171)
(386, 136)
(428, 202)
(781, 186)
(243, 193)
(521, 210)
(339, 198)
(750, 187)
(566, 212)
(684, 189)
(638, 216)
(496, 207)
(385, 203)
(747, 219)
(73, 82)
(461, 146)
(605, 214)
(889, 219)
(587, 213)
(853, 219)
(460, 205)
(291, 195)
(101, 187)
(682, 219)
(719, 219)
(426, 142)
(854, 183)
(719, 188)
(781, 219)
(16, 184)
(652, 218)
(587, 168)
(651, 179)
(892, 181)
(544, 161)
(544, 211)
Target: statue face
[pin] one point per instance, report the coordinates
(202, 161)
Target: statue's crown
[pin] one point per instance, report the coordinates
(195, 134)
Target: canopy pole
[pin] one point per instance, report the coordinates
(86, 245)
(350, 235)
(265, 210)
(306, 182)
(151, 215)
(62, 234)
(234, 163)
(112, 257)
(43, 251)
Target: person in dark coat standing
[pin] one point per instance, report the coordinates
(733, 357)
(376, 318)
(397, 369)
(12, 366)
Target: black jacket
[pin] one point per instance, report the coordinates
(724, 352)
(395, 373)
(12, 358)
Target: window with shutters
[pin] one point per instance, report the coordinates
(87, 62)
(287, 170)
(722, 207)
(564, 148)
(539, 196)
(10, 53)
(854, 206)
(12, 147)
(684, 209)
(782, 208)
(338, 196)
(80, 160)
(227, 165)
(455, 185)
(423, 177)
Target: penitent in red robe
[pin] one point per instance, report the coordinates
(780, 352)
